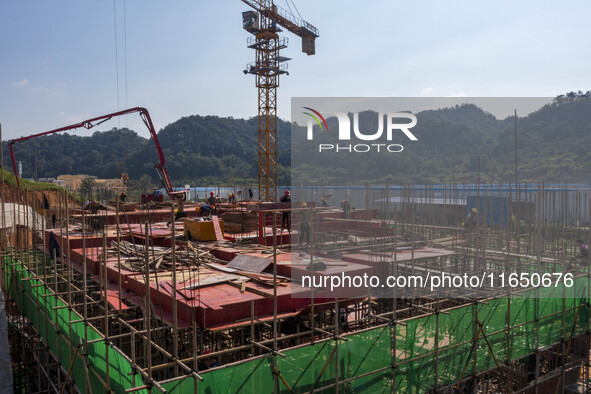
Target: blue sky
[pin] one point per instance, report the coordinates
(58, 65)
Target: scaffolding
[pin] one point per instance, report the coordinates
(73, 331)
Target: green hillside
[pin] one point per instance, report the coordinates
(554, 146)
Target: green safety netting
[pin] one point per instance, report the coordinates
(364, 362)
(42, 314)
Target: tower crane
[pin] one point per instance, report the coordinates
(263, 24)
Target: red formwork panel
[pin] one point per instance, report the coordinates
(159, 234)
(93, 239)
(210, 306)
(138, 216)
(216, 305)
(94, 261)
(226, 254)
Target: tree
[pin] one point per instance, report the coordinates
(144, 184)
(86, 187)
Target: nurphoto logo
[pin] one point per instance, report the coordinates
(394, 123)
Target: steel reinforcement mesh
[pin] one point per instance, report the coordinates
(428, 351)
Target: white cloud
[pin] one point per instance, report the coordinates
(21, 84)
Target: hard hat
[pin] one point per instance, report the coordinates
(474, 210)
(211, 193)
(304, 204)
(287, 192)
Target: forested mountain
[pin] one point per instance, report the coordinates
(554, 145)
(196, 148)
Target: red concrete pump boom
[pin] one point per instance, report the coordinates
(90, 123)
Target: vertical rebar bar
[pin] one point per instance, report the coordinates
(148, 301)
(175, 341)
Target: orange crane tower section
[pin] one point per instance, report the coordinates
(263, 24)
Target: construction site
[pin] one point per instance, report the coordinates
(133, 305)
(445, 287)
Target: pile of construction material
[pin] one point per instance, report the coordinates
(239, 221)
(159, 258)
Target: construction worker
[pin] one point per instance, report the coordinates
(232, 198)
(122, 197)
(285, 219)
(471, 225)
(156, 194)
(54, 247)
(204, 210)
(180, 211)
(304, 230)
(471, 221)
(93, 207)
(211, 200)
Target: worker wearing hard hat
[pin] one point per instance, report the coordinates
(204, 210)
(180, 211)
(285, 219)
(471, 221)
(156, 194)
(212, 201)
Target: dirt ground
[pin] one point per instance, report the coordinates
(35, 198)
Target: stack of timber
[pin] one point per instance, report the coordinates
(159, 258)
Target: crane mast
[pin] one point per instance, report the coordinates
(263, 24)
